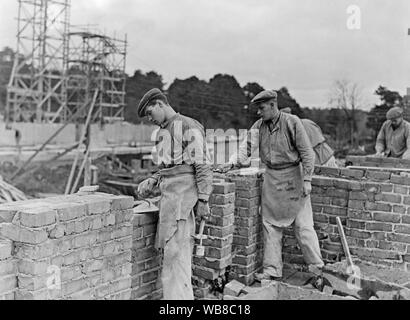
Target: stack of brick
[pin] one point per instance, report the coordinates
(218, 243)
(70, 247)
(374, 206)
(146, 260)
(248, 235)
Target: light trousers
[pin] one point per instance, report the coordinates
(177, 262)
(305, 235)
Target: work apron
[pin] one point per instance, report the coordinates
(282, 197)
(178, 197)
(175, 231)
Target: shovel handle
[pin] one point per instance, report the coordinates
(201, 231)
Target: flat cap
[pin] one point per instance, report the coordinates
(265, 95)
(394, 112)
(152, 94)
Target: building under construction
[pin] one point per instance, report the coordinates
(57, 69)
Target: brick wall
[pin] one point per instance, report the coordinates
(146, 260)
(219, 230)
(69, 247)
(377, 162)
(248, 237)
(374, 206)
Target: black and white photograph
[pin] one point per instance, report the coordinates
(192, 156)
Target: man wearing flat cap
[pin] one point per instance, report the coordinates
(393, 139)
(285, 149)
(324, 154)
(185, 181)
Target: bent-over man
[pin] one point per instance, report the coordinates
(285, 149)
(393, 139)
(185, 182)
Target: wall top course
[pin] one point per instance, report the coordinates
(38, 206)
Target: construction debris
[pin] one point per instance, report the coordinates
(9, 193)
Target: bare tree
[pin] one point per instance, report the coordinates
(347, 96)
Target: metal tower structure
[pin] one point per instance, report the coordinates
(38, 83)
(56, 72)
(96, 62)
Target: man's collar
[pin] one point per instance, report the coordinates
(166, 123)
(272, 123)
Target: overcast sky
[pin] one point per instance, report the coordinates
(303, 45)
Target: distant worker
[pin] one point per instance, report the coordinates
(393, 139)
(185, 181)
(324, 155)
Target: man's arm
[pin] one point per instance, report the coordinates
(381, 140)
(197, 154)
(406, 154)
(305, 149)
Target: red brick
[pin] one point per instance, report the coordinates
(217, 264)
(354, 195)
(356, 204)
(245, 182)
(218, 242)
(352, 173)
(386, 245)
(405, 219)
(378, 206)
(386, 217)
(358, 234)
(372, 187)
(219, 232)
(218, 253)
(320, 199)
(399, 209)
(335, 193)
(244, 260)
(222, 221)
(246, 222)
(222, 211)
(329, 171)
(402, 229)
(316, 208)
(251, 193)
(322, 182)
(401, 189)
(216, 199)
(379, 235)
(247, 203)
(335, 210)
(223, 188)
(206, 273)
(356, 224)
(379, 226)
(247, 212)
(378, 176)
(398, 237)
(317, 217)
(241, 249)
(386, 197)
(339, 202)
(342, 184)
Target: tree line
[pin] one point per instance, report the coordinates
(221, 102)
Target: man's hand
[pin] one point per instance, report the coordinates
(224, 168)
(380, 154)
(307, 188)
(202, 210)
(146, 186)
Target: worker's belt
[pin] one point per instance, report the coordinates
(281, 166)
(176, 170)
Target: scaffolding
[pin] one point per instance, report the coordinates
(56, 71)
(38, 83)
(97, 62)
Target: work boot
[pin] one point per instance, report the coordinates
(265, 276)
